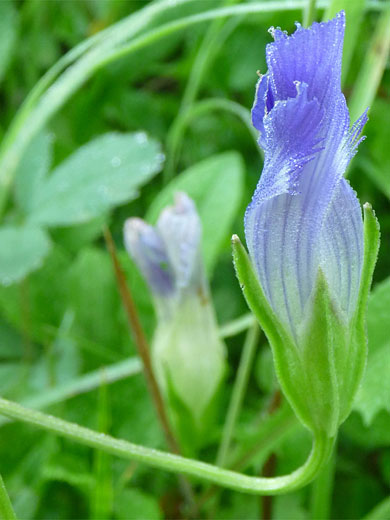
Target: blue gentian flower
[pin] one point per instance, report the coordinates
(304, 216)
(187, 353)
(311, 257)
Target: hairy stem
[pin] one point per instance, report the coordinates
(322, 447)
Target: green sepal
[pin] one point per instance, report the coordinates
(287, 360)
(357, 354)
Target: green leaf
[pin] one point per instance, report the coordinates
(91, 279)
(8, 32)
(216, 186)
(133, 504)
(32, 170)
(100, 175)
(22, 250)
(373, 395)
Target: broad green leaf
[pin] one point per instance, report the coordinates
(216, 186)
(94, 298)
(22, 250)
(104, 173)
(8, 33)
(32, 170)
(374, 393)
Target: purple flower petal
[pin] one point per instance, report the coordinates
(180, 228)
(147, 249)
(307, 141)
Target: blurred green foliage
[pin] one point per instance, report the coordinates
(96, 163)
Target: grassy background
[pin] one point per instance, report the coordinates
(64, 318)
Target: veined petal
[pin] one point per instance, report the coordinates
(312, 56)
(341, 247)
(147, 249)
(180, 228)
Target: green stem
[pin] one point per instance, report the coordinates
(309, 13)
(321, 449)
(234, 327)
(6, 509)
(322, 489)
(238, 392)
(182, 121)
(208, 48)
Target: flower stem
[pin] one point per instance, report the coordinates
(238, 392)
(6, 509)
(321, 492)
(322, 447)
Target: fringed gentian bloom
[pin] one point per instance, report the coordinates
(304, 227)
(187, 353)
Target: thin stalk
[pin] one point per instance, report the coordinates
(6, 509)
(373, 66)
(183, 120)
(309, 13)
(270, 464)
(239, 389)
(81, 385)
(211, 41)
(322, 447)
(79, 72)
(234, 327)
(322, 489)
(272, 429)
(141, 342)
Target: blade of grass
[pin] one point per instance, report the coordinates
(6, 509)
(309, 13)
(354, 10)
(82, 385)
(373, 66)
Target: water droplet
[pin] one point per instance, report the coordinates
(160, 157)
(116, 161)
(141, 137)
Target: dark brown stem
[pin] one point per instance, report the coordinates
(144, 353)
(140, 342)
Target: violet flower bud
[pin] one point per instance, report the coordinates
(188, 355)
